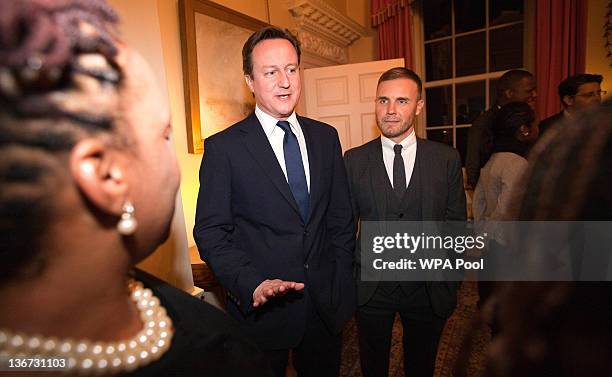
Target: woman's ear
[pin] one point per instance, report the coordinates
(99, 174)
(528, 134)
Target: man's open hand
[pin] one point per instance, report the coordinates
(272, 288)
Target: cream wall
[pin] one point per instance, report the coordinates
(140, 28)
(364, 49)
(596, 60)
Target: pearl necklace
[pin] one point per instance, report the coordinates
(86, 357)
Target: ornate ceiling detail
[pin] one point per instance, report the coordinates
(321, 47)
(323, 30)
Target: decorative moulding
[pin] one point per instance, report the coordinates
(324, 31)
(322, 48)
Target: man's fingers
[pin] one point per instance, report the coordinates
(272, 288)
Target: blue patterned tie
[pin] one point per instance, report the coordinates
(295, 169)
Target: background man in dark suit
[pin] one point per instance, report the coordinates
(400, 177)
(514, 85)
(577, 93)
(274, 219)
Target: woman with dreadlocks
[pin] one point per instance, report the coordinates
(88, 181)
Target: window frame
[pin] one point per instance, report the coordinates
(419, 43)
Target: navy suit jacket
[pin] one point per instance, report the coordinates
(248, 228)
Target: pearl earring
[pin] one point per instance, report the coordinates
(128, 224)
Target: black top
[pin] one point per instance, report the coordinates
(551, 121)
(206, 341)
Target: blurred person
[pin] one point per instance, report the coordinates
(88, 181)
(274, 219)
(399, 177)
(560, 328)
(577, 93)
(514, 85)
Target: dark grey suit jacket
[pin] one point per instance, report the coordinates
(442, 199)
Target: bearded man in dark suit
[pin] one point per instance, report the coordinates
(399, 177)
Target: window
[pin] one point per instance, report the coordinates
(467, 44)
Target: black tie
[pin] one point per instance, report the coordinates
(295, 169)
(399, 172)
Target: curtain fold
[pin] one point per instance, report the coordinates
(560, 48)
(392, 18)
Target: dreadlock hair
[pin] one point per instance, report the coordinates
(58, 83)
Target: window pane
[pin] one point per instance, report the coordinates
(437, 18)
(506, 48)
(469, 15)
(443, 136)
(438, 102)
(462, 136)
(438, 60)
(470, 52)
(504, 11)
(470, 101)
(492, 92)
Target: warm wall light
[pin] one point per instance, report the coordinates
(211, 43)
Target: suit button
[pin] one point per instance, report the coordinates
(306, 265)
(401, 215)
(306, 232)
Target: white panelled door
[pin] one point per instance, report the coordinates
(343, 96)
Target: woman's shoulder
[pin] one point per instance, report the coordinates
(509, 159)
(206, 341)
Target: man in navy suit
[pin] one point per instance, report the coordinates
(274, 218)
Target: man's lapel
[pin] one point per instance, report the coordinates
(256, 142)
(315, 163)
(378, 177)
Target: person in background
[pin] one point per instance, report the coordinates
(560, 328)
(577, 93)
(514, 130)
(274, 219)
(88, 181)
(514, 85)
(399, 177)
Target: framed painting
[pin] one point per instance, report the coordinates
(216, 96)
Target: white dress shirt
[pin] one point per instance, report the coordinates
(409, 149)
(276, 135)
